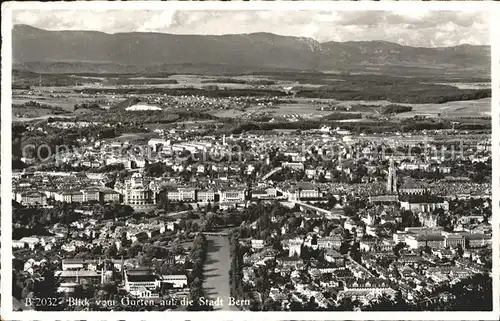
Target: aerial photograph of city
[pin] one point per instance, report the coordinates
(251, 160)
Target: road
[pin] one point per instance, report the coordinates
(361, 267)
(216, 282)
(270, 173)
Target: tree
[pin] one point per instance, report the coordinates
(427, 249)
(344, 248)
(209, 223)
(46, 287)
(398, 247)
(134, 249)
(195, 293)
(345, 304)
(264, 222)
(408, 219)
(111, 251)
(471, 294)
(355, 253)
(388, 303)
(444, 220)
(332, 201)
(311, 304)
(296, 306)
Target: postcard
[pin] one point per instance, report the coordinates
(251, 160)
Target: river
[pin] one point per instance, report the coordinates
(216, 282)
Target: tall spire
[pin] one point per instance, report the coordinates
(392, 178)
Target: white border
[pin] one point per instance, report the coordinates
(6, 139)
(6, 165)
(495, 153)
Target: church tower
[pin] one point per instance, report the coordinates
(392, 179)
(295, 247)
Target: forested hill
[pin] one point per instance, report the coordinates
(79, 51)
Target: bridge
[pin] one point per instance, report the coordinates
(318, 209)
(215, 233)
(276, 169)
(173, 214)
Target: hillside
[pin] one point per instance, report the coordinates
(88, 51)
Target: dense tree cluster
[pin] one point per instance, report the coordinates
(186, 92)
(36, 105)
(198, 256)
(88, 105)
(157, 169)
(42, 285)
(33, 221)
(395, 109)
(22, 79)
(342, 116)
(139, 120)
(394, 92)
(54, 140)
(236, 269)
(228, 80)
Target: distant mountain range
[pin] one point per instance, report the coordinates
(90, 51)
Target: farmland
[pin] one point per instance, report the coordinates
(270, 97)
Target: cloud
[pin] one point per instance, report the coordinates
(415, 27)
(163, 20)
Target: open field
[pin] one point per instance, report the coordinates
(200, 81)
(300, 109)
(65, 99)
(465, 85)
(228, 113)
(452, 109)
(304, 108)
(102, 94)
(308, 109)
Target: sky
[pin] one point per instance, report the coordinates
(418, 28)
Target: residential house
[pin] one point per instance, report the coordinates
(257, 244)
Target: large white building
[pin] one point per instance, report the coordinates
(302, 191)
(205, 196)
(182, 194)
(434, 241)
(136, 192)
(140, 283)
(424, 206)
(177, 281)
(79, 264)
(31, 198)
(232, 195)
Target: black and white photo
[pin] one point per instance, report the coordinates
(251, 160)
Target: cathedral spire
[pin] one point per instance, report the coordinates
(392, 179)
